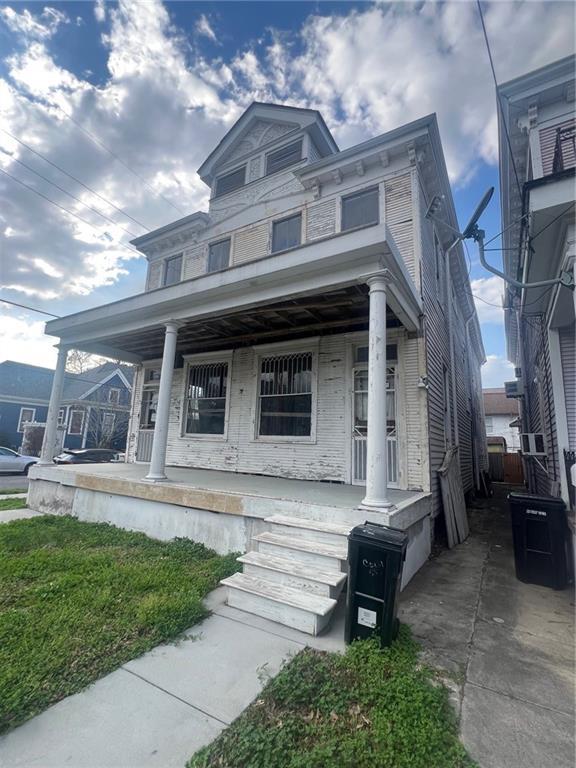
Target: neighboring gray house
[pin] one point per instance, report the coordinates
(538, 196)
(307, 338)
(501, 417)
(93, 410)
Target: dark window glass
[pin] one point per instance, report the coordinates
(284, 157)
(218, 256)
(231, 181)
(173, 270)
(206, 399)
(286, 396)
(148, 409)
(360, 209)
(286, 233)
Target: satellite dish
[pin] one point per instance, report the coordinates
(469, 231)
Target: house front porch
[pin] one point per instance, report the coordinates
(223, 510)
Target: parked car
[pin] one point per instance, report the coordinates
(10, 461)
(89, 456)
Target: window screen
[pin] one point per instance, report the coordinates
(285, 395)
(219, 255)
(231, 181)
(360, 209)
(286, 233)
(173, 270)
(284, 157)
(206, 399)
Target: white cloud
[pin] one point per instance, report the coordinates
(39, 27)
(23, 340)
(100, 11)
(495, 371)
(203, 27)
(488, 297)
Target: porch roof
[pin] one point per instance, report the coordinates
(213, 308)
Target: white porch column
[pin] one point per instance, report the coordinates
(156, 472)
(376, 448)
(49, 441)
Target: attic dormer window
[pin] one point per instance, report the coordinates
(284, 157)
(230, 181)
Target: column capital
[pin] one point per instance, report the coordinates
(172, 326)
(379, 279)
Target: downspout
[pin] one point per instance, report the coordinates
(475, 457)
(451, 345)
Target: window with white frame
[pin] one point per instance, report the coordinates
(285, 395)
(26, 415)
(172, 270)
(205, 409)
(108, 422)
(230, 181)
(148, 408)
(360, 209)
(114, 395)
(61, 417)
(76, 425)
(287, 233)
(284, 157)
(489, 422)
(218, 255)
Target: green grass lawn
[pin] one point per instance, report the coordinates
(12, 504)
(365, 709)
(9, 491)
(77, 600)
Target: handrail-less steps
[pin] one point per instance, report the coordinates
(295, 573)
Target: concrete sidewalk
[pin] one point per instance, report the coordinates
(159, 709)
(507, 647)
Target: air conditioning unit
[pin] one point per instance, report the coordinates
(514, 388)
(533, 444)
(518, 373)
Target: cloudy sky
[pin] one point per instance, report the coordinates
(128, 98)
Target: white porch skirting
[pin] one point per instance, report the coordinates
(201, 506)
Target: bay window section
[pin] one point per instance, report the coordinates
(205, 408)
(285, 396)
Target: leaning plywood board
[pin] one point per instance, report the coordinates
(453, 499)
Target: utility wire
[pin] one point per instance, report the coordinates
(24, 306)
(545, 227)
(99, 143)
(59, 168)
(498, 100)
(62, 208)
(78, 200)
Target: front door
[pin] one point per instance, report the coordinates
(360, 424)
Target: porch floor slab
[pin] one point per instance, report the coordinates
(307, 491)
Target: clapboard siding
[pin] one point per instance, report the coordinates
(567, 339)
(194, 262)
(250, 243)
(321, 219)
(411, 424)
(132, 437)
(399, 218)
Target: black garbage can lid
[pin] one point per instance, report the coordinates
(528, 499)
(375, 532)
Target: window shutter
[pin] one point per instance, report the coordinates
(284, 157)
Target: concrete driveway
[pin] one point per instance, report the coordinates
(507, 648)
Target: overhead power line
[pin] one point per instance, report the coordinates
(24, 306)
(78, 200)
(99, 143)
(74, 178)
(498, 100)
(66, 210)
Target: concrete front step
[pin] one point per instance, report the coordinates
(311, 530)
(290, 573)
(291, 607)
(310, 553)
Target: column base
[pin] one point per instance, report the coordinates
(377, 505)
(156, 479)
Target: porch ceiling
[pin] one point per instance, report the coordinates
(336, 312)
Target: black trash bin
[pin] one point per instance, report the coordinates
(376, 555)
(541, 540)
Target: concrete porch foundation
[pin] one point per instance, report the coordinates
(222, 510)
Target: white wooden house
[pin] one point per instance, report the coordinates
(305, 350)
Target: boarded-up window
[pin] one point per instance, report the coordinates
(285, 396)
(172, 270)
(231, 181)
(284, 157)
(286, 233)
(206, 399)
(218, 255)
(360, 209)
